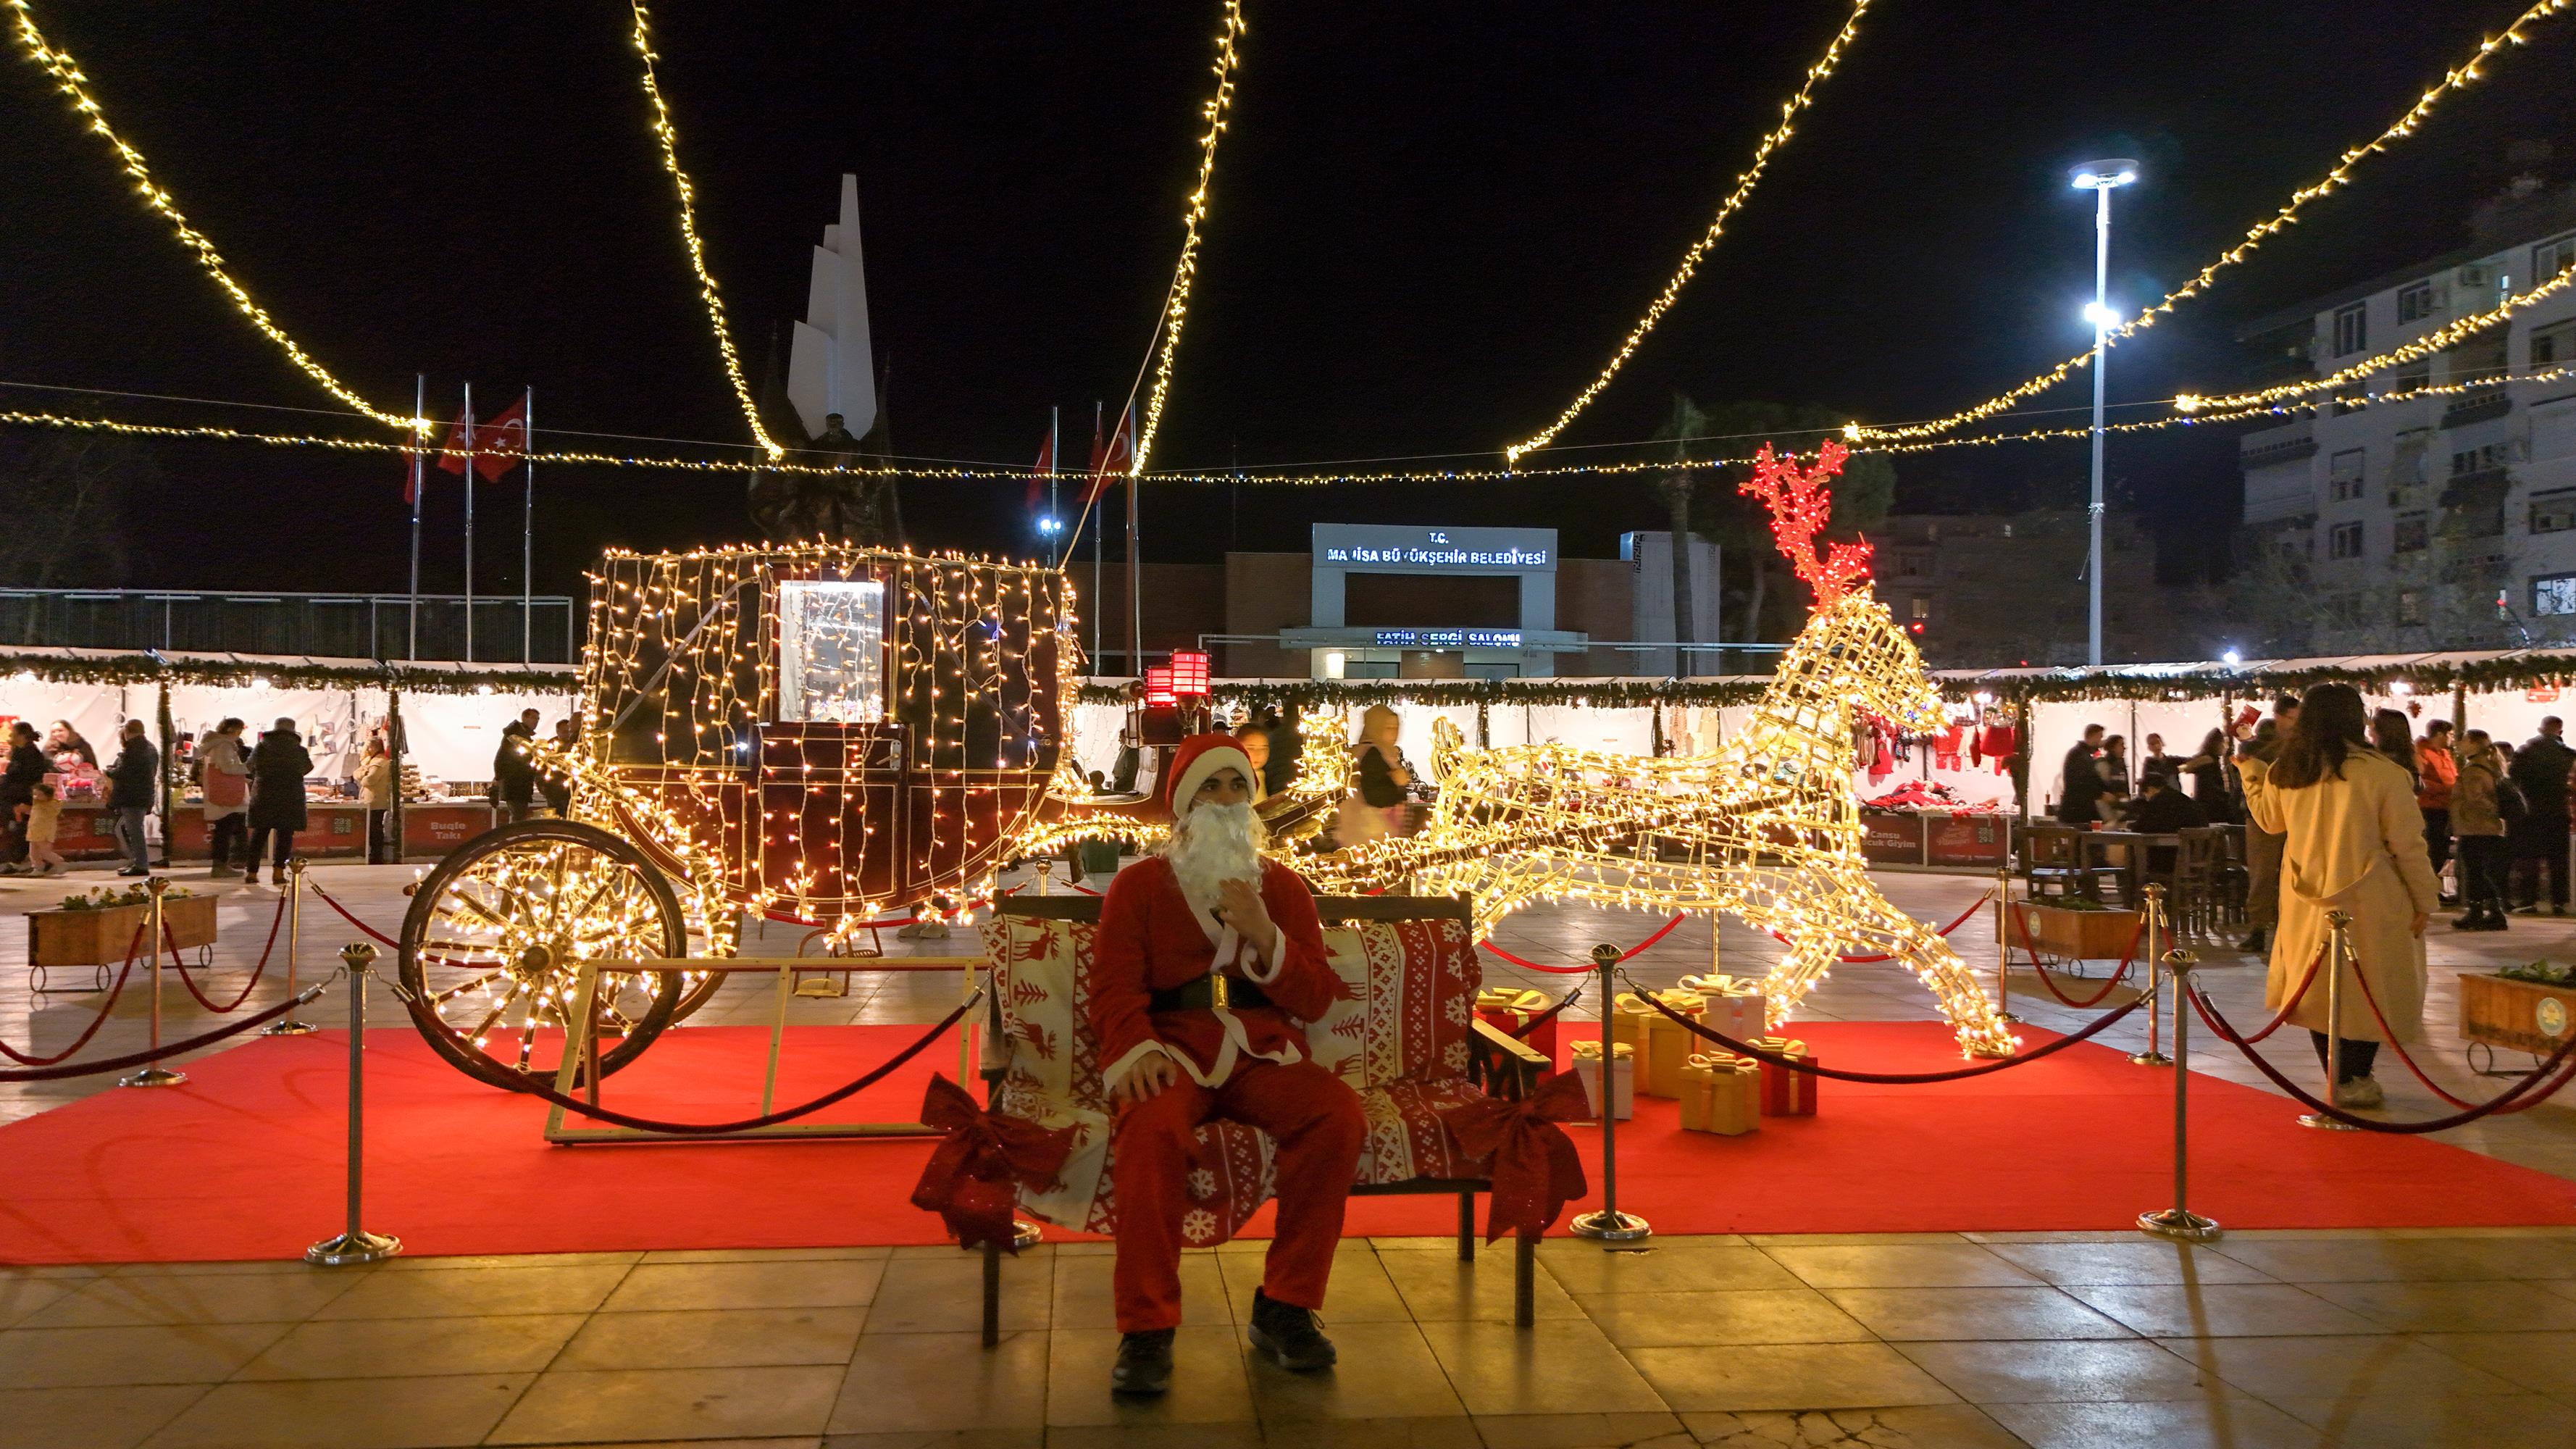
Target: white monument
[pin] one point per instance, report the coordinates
(830, 369)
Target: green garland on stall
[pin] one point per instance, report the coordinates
(2522, 669)
(150, 668)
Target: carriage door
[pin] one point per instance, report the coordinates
(832, 760)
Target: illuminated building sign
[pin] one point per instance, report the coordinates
(1448, 638)
(1368, 546)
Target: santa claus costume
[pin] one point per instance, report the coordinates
(1179, 974)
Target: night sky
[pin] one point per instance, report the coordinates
(1430, 225)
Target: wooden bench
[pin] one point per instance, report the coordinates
(1042, 1064)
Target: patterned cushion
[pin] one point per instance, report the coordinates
(1399, 1039)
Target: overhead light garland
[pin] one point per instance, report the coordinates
(1735, 199)
(2437, 340)
(72, 82)
(669, 136)
(2459, 78)
(1176, 310)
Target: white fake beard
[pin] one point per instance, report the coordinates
(1214, 844)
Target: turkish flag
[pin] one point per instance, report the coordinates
(493, 444)
(1113, 459)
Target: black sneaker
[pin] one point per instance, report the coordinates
(1289, 1334)
(1144, 1363)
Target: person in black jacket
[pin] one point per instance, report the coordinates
(27, 765)
(2163, 810)
(277, 767)
(2540, 769)
(130, 783)
(2080, 804)
(514, 770)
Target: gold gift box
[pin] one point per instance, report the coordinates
(1721, 1093)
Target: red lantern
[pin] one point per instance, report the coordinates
(1158, 686)
(1189, 674)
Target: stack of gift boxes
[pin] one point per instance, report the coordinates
(1719, 1091)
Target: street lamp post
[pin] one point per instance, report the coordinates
(2100, 178)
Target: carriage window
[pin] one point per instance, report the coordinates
(831, 652)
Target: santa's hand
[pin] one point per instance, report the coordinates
(1238, 904)
(1151, 1074)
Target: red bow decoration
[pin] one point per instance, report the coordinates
(1536, 1172)
(972, 1179)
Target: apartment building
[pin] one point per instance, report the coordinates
(2442, 520)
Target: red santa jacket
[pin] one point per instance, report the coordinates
(1150, 940)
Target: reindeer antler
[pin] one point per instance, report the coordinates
(1799, 505)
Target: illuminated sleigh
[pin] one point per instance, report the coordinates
(814, 734)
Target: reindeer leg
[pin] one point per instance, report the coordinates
(1810, 956)
(1881, 927)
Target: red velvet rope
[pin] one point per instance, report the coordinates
(2504, 1101)
(1900, 1079)
(141, 1058)
(1961, 920)
(170, 938)
(378, 936)
(2021, 922)
(1585, 970)
(95, 1022)
(2390, 1037)
(2292, 1004)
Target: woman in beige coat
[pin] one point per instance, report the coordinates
(2356, 844)
(2479, 824)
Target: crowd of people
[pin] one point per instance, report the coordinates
(2353, 810)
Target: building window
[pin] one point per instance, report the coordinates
(1913, 566)
(2553, 512)
(2414, 375)
(2554, 594)
(2414, 303)
(2553, 256)
(2554, 345)
(2344, 541)
(2344, 475)
(2351, 329)
(2478, 460)
(2410, 606)
(1922, 607)
(2414, 531)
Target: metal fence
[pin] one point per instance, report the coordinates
(342, 626)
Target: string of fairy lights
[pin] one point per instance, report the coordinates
(2459, 78)
(2438, 340)
(669, 137)
(1176, 309)
(72, 82)
(1777, 137)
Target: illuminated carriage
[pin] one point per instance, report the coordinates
(815, 734)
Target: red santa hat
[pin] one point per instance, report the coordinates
(1199, 757)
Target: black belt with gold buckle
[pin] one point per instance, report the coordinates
(1201, 994)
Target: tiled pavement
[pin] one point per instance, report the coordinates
(2461, 1337)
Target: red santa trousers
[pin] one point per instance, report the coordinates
(1317, 1124)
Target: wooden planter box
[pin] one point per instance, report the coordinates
(99, 938)
(2078, 935)
(2522, 1016)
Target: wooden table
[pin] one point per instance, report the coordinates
(2093, 851)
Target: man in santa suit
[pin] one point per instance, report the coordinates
(1205, 952)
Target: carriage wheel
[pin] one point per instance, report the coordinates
(489, 944)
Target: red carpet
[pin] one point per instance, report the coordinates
(244, 1162)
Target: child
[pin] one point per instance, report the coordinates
(43, 817)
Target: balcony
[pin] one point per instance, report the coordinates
(2277, 445)
(2476, 407)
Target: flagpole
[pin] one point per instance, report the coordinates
(528, 531)
(469, 523)
(1135, 581)
(1055, 458)
(1099, 530)
(419, 486)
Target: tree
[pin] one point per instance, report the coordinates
(1862, 493)
(64, 495)
(1686, 424)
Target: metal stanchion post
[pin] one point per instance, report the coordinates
(2003, 943)
(355, 1244)
(287, 1025)
(155, 1074)
(2156, 937)
(2338, 946)
(2179, 1222)
(1609, 1225)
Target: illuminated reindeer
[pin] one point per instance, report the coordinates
(1766, 829)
